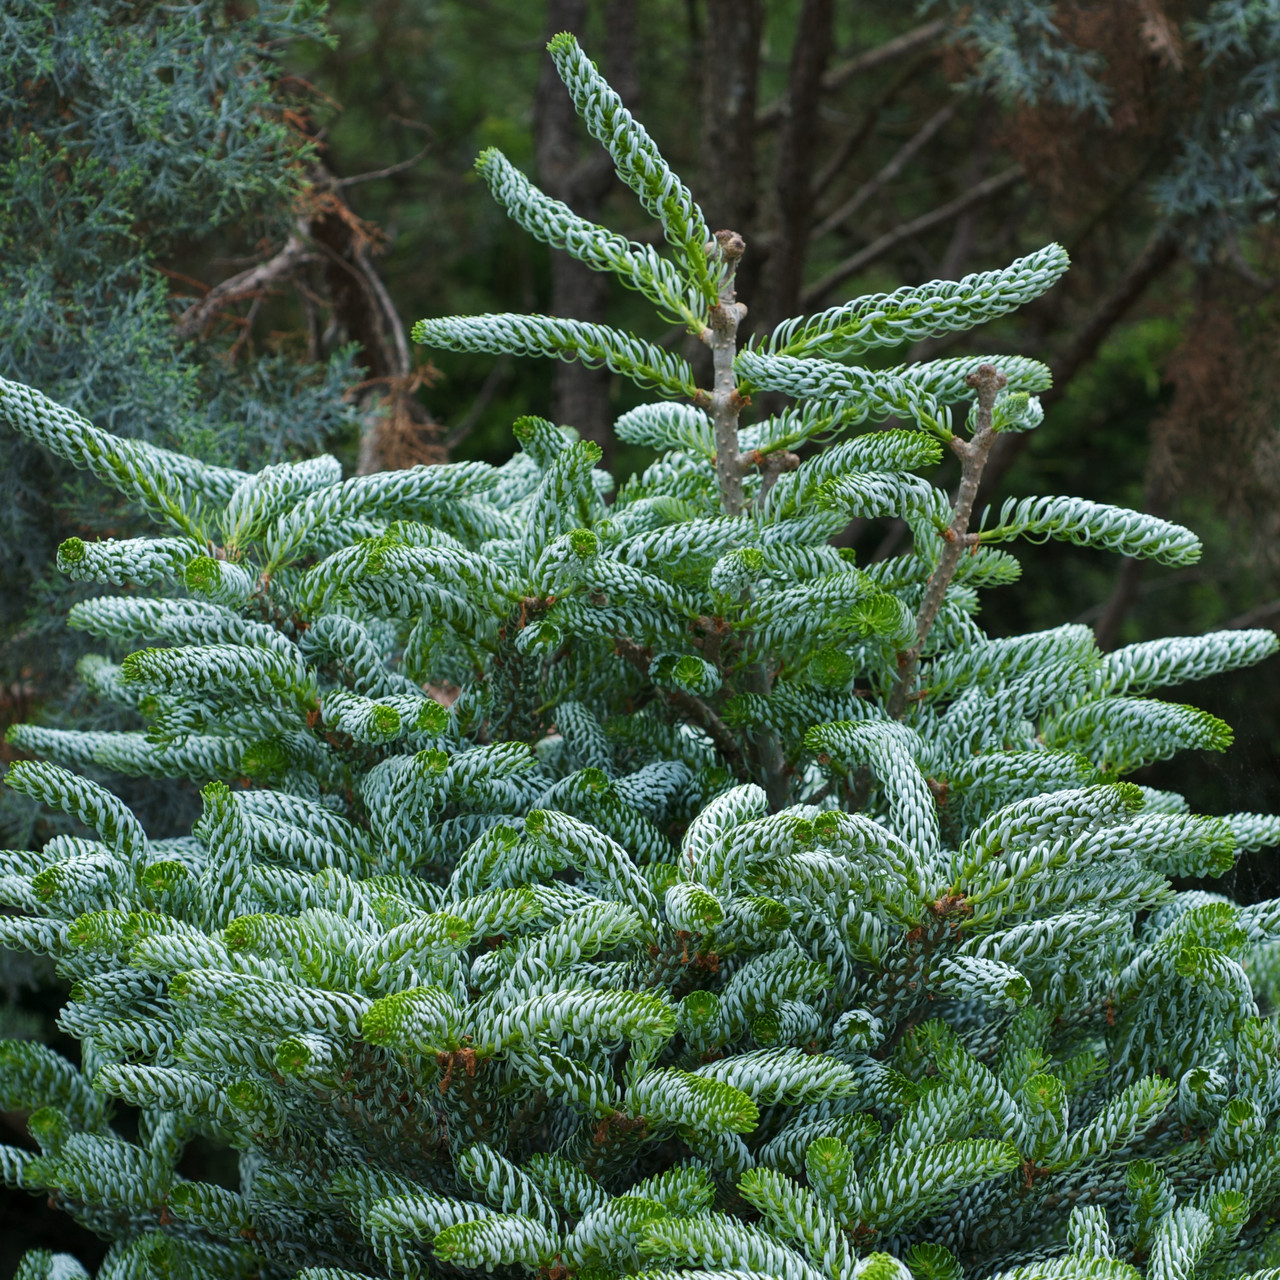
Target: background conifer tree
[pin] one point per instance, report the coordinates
(645, 888)
(162, 186)
(128, 131)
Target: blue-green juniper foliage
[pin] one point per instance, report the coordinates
(595, 888)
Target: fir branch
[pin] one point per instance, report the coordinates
(595, 345)
(554, 223)
(639, 163)
(908, 315)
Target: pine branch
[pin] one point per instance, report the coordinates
(416, 915)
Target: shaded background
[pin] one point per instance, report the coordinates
(215, 228)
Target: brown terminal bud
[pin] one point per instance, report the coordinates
(732, 246)
(986, 377)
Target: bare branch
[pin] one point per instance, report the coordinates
(855, 137)
(771, 466)
(705, 718)
(244, 285)
(898, 47)
(398, 431)
(1267, 614)
(909, 149)
(488, 389)
(245, 335)
(992, 186)
(389, 172)
(988, 382)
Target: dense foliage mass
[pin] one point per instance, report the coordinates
(589, 889)
(862, 146)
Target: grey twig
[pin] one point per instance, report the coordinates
(877, 182)
(246, 284)
(725, 404)
(389, 172)
(488, 389)
(988, 382)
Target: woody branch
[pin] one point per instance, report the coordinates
(956, 538)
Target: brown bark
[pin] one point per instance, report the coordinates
(728, 171)
(793, 180)
(580, 396)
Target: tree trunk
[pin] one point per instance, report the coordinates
(580, 396)
(727, 182)
(797, 144)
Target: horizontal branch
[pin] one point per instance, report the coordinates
(838, 274)
(1159, 252)
(1267, 614)
(401, 166)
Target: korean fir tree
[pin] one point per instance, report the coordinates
(594, 888)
